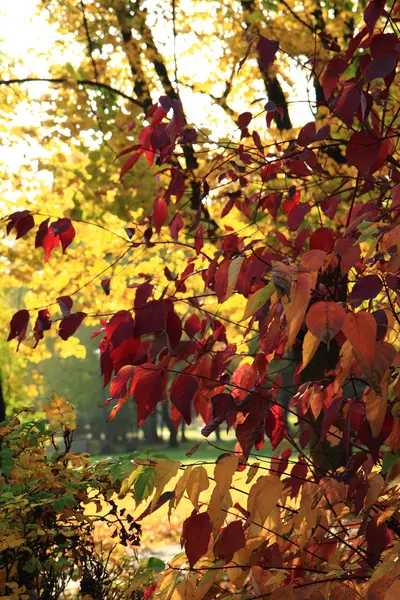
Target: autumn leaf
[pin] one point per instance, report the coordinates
(196, 533)
(325, 319)
(257, 300)
(360, 330)
(310, 346)
(376, 411)
(197, 482)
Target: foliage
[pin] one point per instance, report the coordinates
(289, 251)
(53, 506)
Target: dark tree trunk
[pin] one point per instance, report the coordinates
(150, 430)
(183, 436)
(173, 434)
(2, 403)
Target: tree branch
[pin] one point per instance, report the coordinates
(65, 80)
(89, 40)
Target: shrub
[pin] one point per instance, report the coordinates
(48, 528)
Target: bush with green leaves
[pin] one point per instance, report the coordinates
(52, 503)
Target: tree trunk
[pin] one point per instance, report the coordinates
(149, 428)
(2, 403)
(173, 434)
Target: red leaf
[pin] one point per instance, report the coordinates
(223, 409)
(275, 427)
(18, 326)
(42, 323)
(380, 67)
(175, 225)
(296, 216)
(46, 239)
(173, 329)
(147, 389)
(230, 540)
(143, 293)
(307, 134)
(70, 324)
(182, 393)
(22, 221)
(160, 213)
(372, 13)
(267, 50)
(129, 163)
(121, 384)
(329, 206)
(105, 284)
(65, 230)
(65, 303)
(322, 239)
(199, 239)
(196, 533)
(165, 497)
(366, 288)
(297, 476)
(349, 102)
(244, 119)
(151, 317)
(106, 363)
(378, 538)
(366, 152)
(192, 325)
(330, 77)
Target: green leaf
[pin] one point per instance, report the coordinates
(155, 564)
(257, 300)
(364, 225)
(69, 501)
(6, 461)
(389, 460)
(144, 485)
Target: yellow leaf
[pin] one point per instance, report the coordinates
(375, 482)
(238, 574)
(181, 487)
(60, 412)
(262, 499)
(164, 471)
(310, 346)
(233, 274)
(223, 473)
(297, 307)
(375, 410)
(198, 482)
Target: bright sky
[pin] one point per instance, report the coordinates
(31, 43)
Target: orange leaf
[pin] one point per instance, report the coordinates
(312, 260)
(345, 364)
(393, 441)
(325, 320)
(296, 309)
(376, 411)
(310, 346)
(360, 330)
